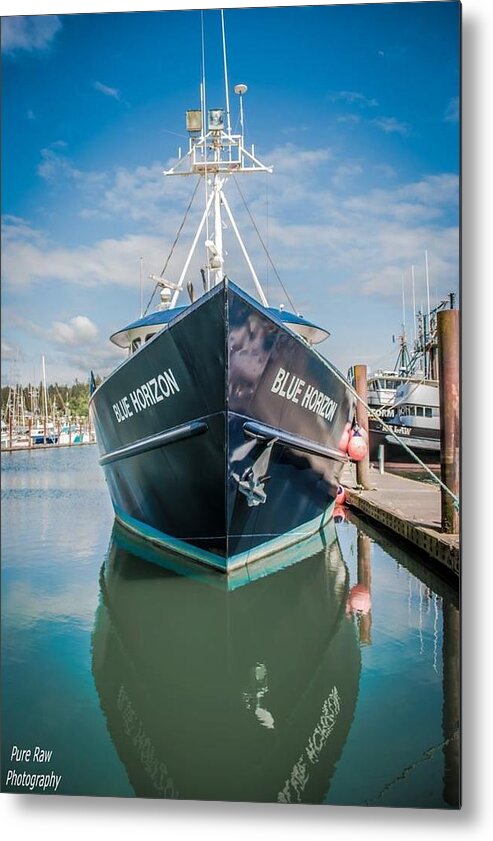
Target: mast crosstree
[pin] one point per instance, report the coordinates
(215, 155)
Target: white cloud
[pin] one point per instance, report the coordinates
(354, 98)
(79, 331)
(345, 171)
(113, 93)
(452, 111)
(390, 125)
(352, 119)
(8, 352)
(29, 258)
(55, 167)
(385, 170)
(28, 33)
(323, 228)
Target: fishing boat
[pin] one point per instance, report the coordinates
(408, 398)
(415, 421)
(219, 432)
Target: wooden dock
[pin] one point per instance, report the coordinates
(410, 509)
(30, 449)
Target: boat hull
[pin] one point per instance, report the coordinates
(424, 442)
(219, 436)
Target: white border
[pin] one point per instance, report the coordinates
(49, 817)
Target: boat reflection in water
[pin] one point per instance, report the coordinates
(217, 691)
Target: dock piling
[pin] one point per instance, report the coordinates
(381, 459)
(448, 357)
(361, 388)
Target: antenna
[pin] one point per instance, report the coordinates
(203, 100)
(141, 302)
(403, 308)
(414, 305)
(427, 287)
(226, 87)
(241, 91)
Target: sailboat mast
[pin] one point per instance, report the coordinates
(403, 308)
(427, 289)
(414, 304)
(44, 388)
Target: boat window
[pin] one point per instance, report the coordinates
(411, 410)
(149, 336)
(390, 384)
(428, 412)
(136, 344)
(419, 411)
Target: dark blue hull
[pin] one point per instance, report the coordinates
(219, 436)
(424, 442)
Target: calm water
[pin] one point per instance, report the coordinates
(334, 680)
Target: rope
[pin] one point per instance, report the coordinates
(173, 246)
(252, 220)
(387, 428)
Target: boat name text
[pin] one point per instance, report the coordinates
(147, 394)
(290, 387)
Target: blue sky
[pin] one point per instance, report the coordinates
(355, 106)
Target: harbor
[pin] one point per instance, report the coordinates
(232, 563)
(74, 673)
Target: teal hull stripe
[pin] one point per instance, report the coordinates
(275, 544)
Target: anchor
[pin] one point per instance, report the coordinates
(252, 481)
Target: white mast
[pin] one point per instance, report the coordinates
(403, 308)
(226, 86)
(414, 305)
(219, 153)
(44, 388)
(141, 300)
(427, 289)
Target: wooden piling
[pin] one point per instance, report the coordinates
(451, 712)
(449, 370)
(361, 387)
(364, 583)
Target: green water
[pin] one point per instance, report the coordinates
(333, 680)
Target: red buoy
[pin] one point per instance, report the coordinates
(339, 514)
(359, 600)
(343, 443)
(340, 495)
(359, 430)
(357, 447)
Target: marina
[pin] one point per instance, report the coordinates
(170, 699)
(231, 571)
